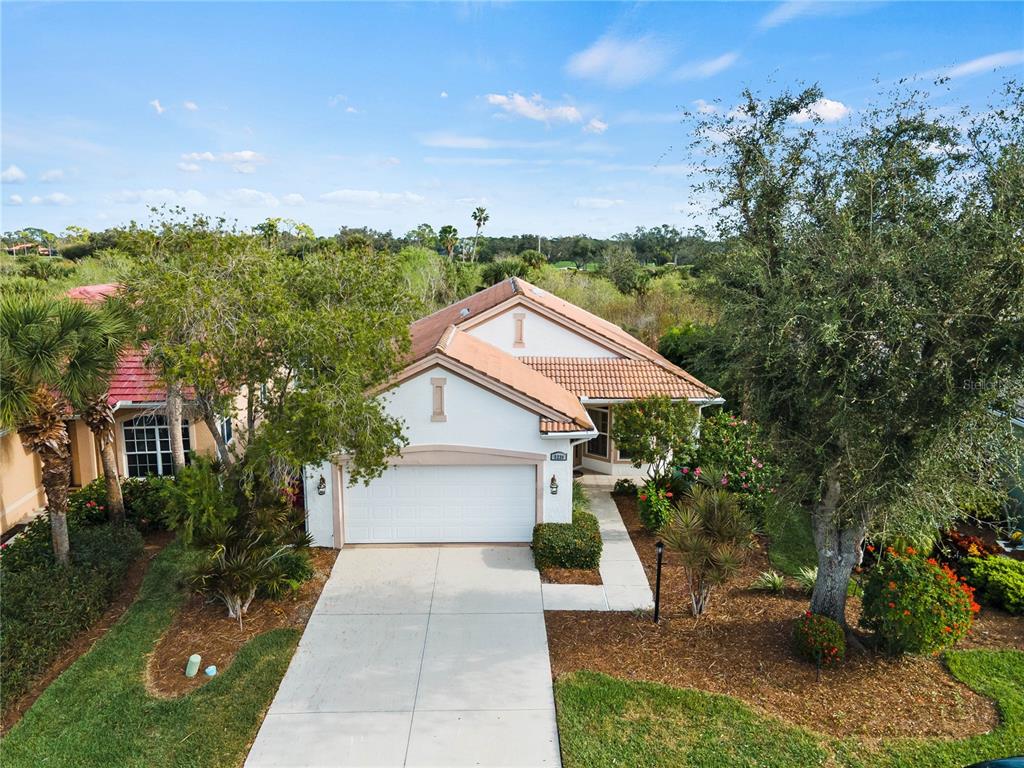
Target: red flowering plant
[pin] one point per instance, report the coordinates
(655, 506)
(88, 505)
(819, 639)
(961, 545)
(915, 604)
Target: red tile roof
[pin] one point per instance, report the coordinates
(133, 381)
(495, 364)
(606, 378)
(426, 332)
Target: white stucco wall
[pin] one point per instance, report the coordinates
(476, 417)
(541, 337)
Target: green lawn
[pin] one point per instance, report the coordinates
(604, 721)
(98, 712)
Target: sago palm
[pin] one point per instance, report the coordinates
(712, 535)
(54, 357)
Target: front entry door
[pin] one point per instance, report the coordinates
(577, 456)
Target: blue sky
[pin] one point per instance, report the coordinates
(559, 118)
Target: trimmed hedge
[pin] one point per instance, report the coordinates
(44, 605)
(568, 545)
(144, 502)
(999, 581)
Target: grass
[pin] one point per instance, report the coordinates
(604, 721)
(98, 712)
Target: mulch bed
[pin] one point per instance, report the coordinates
(153, 545)
(570, 576)
(203, 627)
(741, 647)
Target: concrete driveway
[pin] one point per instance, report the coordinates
(419, 656)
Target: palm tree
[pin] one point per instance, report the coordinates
(54, 357)
(712, 535)
(480, 217)
(448, 236)
(99, 416)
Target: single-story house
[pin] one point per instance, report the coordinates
(141, 438)
(503, 395)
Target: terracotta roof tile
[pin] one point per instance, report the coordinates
(93, 294)
(426, 332)
(617, 378)
(547, 425)
(492, 362)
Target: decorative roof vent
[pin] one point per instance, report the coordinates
(464, 312)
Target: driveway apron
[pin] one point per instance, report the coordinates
(419, 656)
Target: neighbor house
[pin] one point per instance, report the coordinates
(141, 438)
(503, 395)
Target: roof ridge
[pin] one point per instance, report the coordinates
(515, 284)
(446, 338)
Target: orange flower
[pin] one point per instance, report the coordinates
(906, 612)
(892, 605)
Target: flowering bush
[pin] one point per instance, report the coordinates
(962, 545)
(655, 506)
(88, 504)
(916, 605)
(819, 639)
(738, 451)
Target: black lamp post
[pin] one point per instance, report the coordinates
(659, 548)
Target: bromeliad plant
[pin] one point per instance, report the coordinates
(712, 535)
(916, 605)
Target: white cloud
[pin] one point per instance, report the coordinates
(243, 161)
(54, 174)
(370, 198)
(788, 11)
(986, 64)
(155, 104)
(13, 175)
(534, 108)
(351, 110)
(595, 126)
(619, 63)
(187, 197)
(444, 94)
(15, 199)
(191, 106)
(596, 203)
(249, 198)
(294, 198)
(54, 198)
(700, 70)
(825, 110)
(446, 140)
(704, 107)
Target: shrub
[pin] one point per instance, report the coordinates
(241, 538)
(819, 639)
(769, 581)
(654, 505)
(655, 431)
(293, 569)
(580, 499)
(712, 536)
(145, 501)
(806, 578)
(999, 580)
(961, 545)
(916, 605)
(88, 505)
(624, 487)
(568, 545)
(45, 605)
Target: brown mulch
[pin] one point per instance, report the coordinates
(203, 627)
(570, 576)
(152, 546)
(741, 647)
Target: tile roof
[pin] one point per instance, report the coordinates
(133, 381)
(618, 378)
(495, 364)
(548, 425)
(426, 332)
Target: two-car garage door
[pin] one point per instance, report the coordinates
(443, 503)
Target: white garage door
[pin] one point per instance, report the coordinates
(443, 504)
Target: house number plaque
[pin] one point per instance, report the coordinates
(559, 456)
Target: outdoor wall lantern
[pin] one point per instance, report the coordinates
(554, 485)
(321, 486)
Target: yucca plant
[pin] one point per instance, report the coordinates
(806, 578)
(769, 581)
(712, 536)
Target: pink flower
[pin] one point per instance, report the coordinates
(686, 470)
(725, 481)
(743, 474)
(746, 485)
(696, 471)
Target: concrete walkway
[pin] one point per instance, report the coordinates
(625, 586)
(419, 656)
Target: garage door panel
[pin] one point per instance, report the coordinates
(467, 503)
